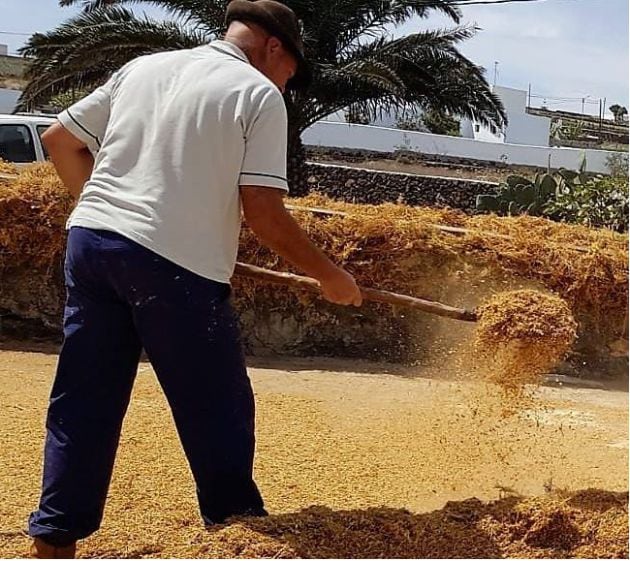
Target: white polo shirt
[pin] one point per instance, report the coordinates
(175, 134)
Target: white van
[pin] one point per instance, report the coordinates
(20, 138)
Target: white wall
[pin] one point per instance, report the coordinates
(528, 129)
(378, 139)
(387, 119)
(8, 100)
(466, 128)
(486, 135)
(522, 127)
(338, 117)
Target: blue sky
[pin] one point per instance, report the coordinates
(564, 48)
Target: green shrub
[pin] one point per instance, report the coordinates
(567, 196)
(617, 164)
(601, 202)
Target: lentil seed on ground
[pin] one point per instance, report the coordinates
(354, 460)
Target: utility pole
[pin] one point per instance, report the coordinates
(529, 95)
(604, 110)
(583, 105)
(496, 65)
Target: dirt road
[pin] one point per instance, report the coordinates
(347, 436)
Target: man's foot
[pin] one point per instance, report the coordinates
(257, 512)
(42, 550)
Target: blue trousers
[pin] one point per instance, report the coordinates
(122, 297)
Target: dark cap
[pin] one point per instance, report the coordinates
(281, 22)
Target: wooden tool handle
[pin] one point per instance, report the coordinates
(383, 296)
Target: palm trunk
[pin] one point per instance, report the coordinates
(296, 168)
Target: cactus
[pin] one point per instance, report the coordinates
(574, 196)
(519, 195)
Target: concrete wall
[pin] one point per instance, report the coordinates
(378, 139)
(8, 100)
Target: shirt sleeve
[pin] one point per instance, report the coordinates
(87, 119)
(265, 160)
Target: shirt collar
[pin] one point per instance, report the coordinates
(229, 49)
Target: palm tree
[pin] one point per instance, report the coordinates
(618, 112)
(356, 61)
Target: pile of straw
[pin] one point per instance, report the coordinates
(394, 247)
(538, 527)
(388, 246)
(522, 335)
(33, 212)
(556, 525)
(7, 168)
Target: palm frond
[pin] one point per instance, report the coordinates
(204, 12)
(92, 45)
(429, 71)
(372, 18)
(355, 63)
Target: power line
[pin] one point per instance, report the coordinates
(459, 3)
(585, 99)
(489, 2)
(552, 102)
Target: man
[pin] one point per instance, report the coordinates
(183, 141)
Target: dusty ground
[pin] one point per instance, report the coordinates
(343, 448)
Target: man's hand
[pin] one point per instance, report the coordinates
(341, 288)
(266, 215)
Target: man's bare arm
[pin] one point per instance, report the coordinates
(71, 158)
(268, 218)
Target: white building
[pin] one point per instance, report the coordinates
(522, 128)
(8, 100)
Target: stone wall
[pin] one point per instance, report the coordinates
(358, 185)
